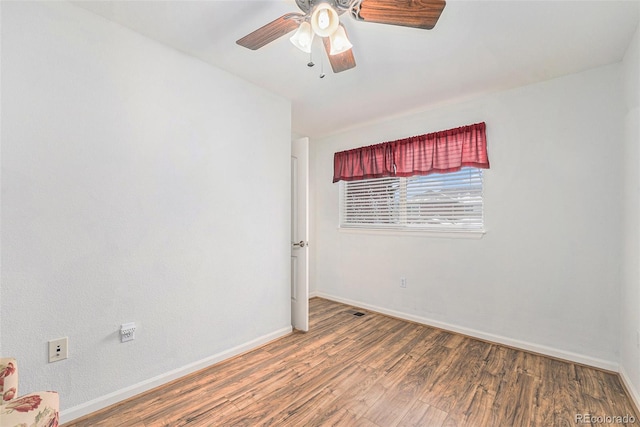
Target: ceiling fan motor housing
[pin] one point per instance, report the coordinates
(308, 6)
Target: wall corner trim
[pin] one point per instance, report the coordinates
(626, 382)
(102, 402)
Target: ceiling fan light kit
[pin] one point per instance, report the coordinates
(322, 18)
(339, 41)
(303, 37)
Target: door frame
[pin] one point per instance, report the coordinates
(300, 234)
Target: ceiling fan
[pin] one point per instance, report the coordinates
(322, 18)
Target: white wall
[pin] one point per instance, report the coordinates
(138, 184)
(629, 339)
(546, 274)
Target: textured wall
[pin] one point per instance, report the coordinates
(138, 184)
(547, 272)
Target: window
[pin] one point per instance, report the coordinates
(435, 202)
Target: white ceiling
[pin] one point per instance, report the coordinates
(476, 47)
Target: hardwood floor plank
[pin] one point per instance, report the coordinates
(363, 422)
(375, 371)
(456, 383)
(422, 414)
(364, 396)
(333, 404)
(480, 410)
(399, 392)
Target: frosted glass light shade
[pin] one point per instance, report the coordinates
(324, 20)
(303, 37)
(339, 41)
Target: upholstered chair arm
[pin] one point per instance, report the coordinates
(32, 410)
(8, 380)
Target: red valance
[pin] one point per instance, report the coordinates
(438, 152)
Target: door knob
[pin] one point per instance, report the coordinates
(300, 244)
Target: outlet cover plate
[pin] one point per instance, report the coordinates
(58, 349)
(127, 332)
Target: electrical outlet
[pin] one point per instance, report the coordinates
(403, 282)
(127, 332)
(58, 349)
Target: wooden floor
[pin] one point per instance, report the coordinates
(375, 370)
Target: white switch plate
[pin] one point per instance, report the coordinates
(58, 349)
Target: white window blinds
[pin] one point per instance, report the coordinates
(447, 202)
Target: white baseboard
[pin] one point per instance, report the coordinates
(635, 396)
(107, 400)
(510, 342)
(125, 393)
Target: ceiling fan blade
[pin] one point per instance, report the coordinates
(341, 62)
(272, 31)
(408, 13)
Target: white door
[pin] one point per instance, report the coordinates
(300, 234)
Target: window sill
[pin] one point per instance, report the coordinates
(444, 234)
